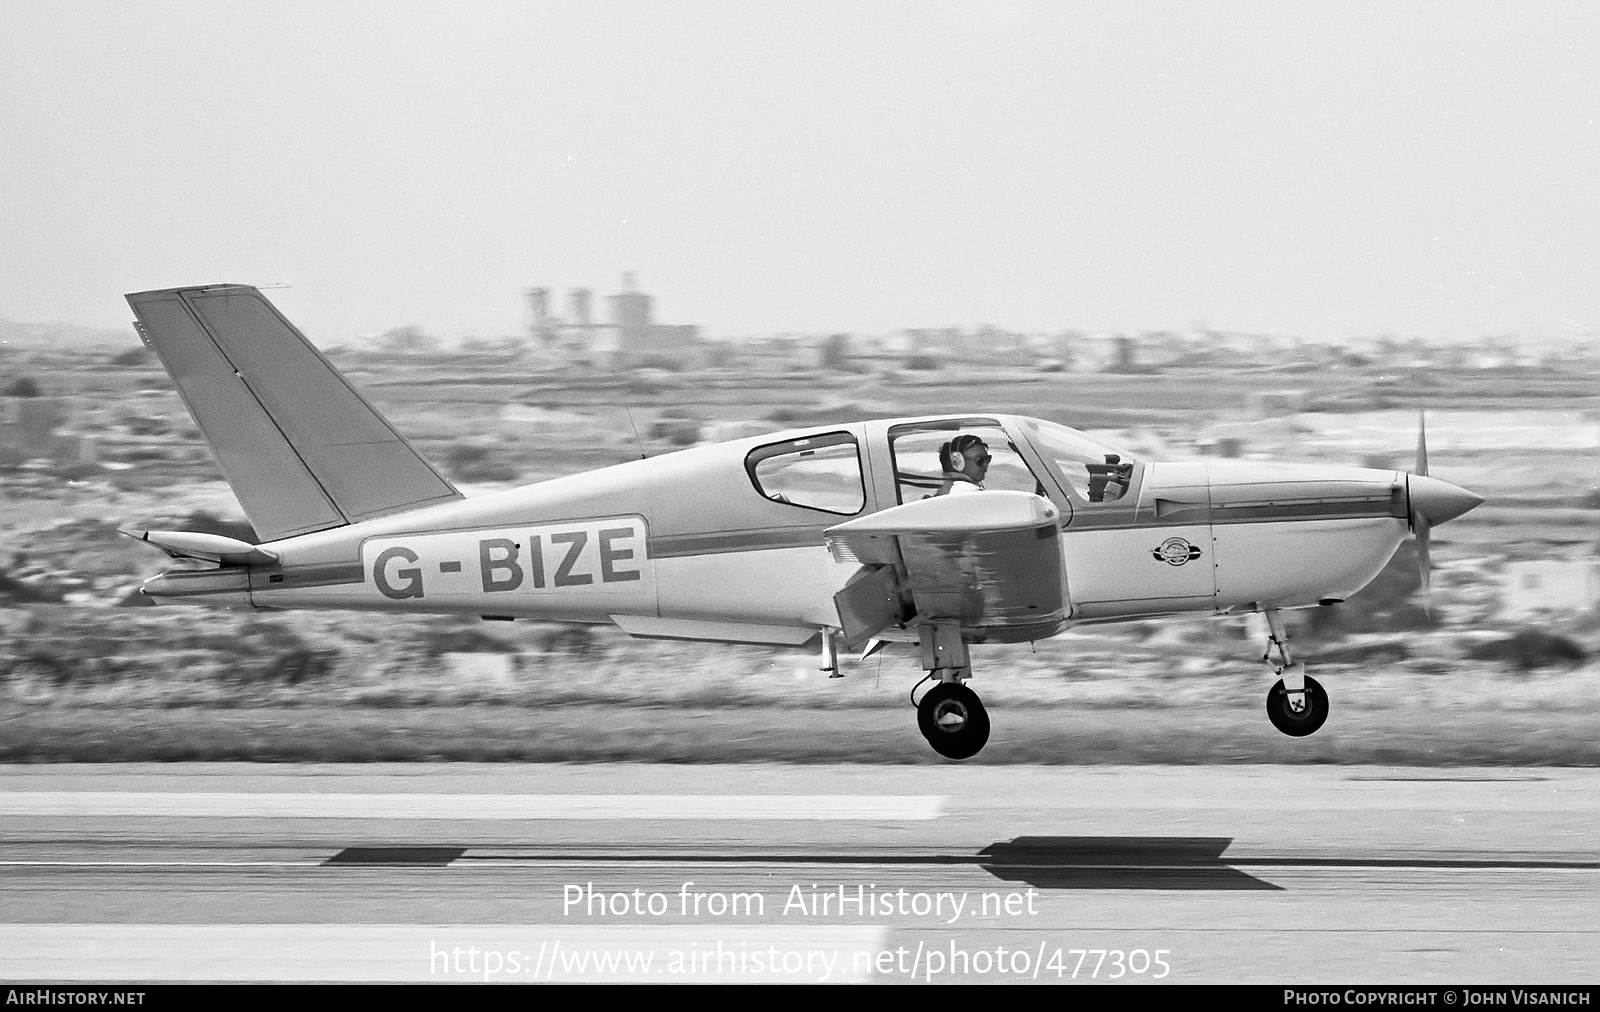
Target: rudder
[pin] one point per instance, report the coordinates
(302, 449)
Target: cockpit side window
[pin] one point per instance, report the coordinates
(1095, 472)
(817, 472)
(919, 474)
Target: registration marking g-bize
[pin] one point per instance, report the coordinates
(607, 556)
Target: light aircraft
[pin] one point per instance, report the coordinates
(836, 535)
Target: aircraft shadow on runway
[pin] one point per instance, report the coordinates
(1044, 862)
(1117, 862)
(417, 857)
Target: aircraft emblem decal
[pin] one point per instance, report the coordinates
(1175, 552)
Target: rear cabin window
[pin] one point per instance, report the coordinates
(818, 472)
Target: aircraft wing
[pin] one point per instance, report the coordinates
(989, 561)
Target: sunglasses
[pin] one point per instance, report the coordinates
(982, 461)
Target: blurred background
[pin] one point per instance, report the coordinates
(96, 438)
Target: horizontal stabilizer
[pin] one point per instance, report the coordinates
(302, 449)
(206, 547)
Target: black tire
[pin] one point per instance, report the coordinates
(1298, 725)
(952, 718)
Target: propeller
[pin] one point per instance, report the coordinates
(1420, 525)
(1422, 444)
(1431, 502)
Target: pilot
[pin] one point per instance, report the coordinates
(965, 460)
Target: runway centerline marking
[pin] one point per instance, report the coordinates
(498, 807)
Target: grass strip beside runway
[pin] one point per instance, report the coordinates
(1425, 736)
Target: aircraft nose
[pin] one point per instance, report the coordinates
(1438, 501)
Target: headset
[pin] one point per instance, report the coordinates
(953, 455)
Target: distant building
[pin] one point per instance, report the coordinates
(639, 341)
(833, 352)
(582, 299)
(930, 347)
(630, 340)
(1127, 357)
(540, 323)
(31, 427)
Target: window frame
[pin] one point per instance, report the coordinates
(954, 424)
(1029, 428)
(796, 445)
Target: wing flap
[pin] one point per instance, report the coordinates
(868, 604)
(652, 628)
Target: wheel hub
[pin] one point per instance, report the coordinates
(952, 719)
(950, 716)
(1297, 713)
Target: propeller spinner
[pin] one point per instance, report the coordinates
(1431, 502)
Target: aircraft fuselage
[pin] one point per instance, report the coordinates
(685, 544)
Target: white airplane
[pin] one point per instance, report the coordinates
(839, 535)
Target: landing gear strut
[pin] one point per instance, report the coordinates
(1297, 704)
(950, 715)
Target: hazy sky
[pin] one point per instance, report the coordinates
(1326, 169)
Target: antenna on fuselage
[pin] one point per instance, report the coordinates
(636, 440)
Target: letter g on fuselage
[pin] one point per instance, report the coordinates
(411, 576)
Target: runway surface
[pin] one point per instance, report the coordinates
(1283, 875)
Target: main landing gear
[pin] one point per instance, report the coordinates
(952, 718)
(1297, 704)
(950, 715)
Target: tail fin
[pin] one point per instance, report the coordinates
(302, 449)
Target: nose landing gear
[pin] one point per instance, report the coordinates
(1297, 714)
(1297, 705)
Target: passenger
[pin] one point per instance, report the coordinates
(1108, 481)
(965, 460)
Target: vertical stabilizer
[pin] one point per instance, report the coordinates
(302, 449)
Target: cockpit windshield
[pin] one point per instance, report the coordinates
(1096, 472)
